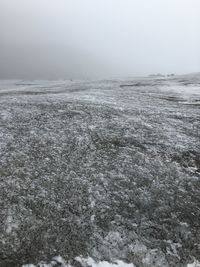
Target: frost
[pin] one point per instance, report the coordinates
(104, 169)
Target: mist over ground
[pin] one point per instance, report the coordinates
(98, 171)
(89, 39)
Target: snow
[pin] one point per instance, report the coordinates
(58, 260)
(10, 222)
(104, 169)
(194, 264)
(90, 262)
(85, 262)
(188, 94)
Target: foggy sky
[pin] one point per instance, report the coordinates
(60, 39)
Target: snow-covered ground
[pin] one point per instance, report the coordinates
(102, 173)
(59, 261)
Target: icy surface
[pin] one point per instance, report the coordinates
(109, 170)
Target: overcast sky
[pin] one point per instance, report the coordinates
(50, 39)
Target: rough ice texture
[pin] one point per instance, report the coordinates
(109, 170)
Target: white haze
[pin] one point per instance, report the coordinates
(55, 39)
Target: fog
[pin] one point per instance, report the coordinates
(61, 39)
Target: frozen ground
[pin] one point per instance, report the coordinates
(100, 173)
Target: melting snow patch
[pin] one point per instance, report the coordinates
(194, 264)
(90, 262)
(85, 262)
(56, 261)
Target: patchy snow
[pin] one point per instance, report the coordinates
(56, 261)
(84, 262)
(107, 169)
(194, 264)
(10, 222)
(188, 94)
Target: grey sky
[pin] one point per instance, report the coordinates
(84, 38)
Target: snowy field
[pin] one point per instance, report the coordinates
(100, 173)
